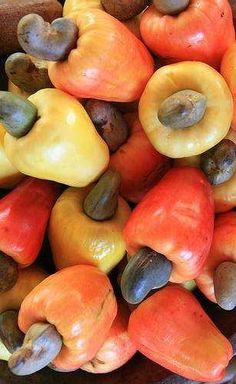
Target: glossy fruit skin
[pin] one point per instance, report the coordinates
(24, 214)
(192, 347)
(171, 222)
(117, 349)
(77, 239)
(144, 166)
(81, 305)
(63, 144)
(223, 248)
(196, 139)
(203, 32)
(225, 193)
(91, 69)
(72, 7)
(228, 71)
(28, 278)
(9, 175)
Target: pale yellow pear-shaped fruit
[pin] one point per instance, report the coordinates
(71, 7)
(9, 175)
(75, 238)
(62, 146)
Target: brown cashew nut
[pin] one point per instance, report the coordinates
(42, 343)
(146, 270)
(124, 9)
(171, 7)
(102, 201)
(47, 41)
(8, 272)
(109, 122)
(16, 114)
(182, 109)
(27, 73)
(225, 285)
(10, 334)
(219, 162)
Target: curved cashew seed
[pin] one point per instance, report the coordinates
(10, 334)
(182, 109)
(146, 270)
(27, 73)
(16, 114)
(47, 41)
(109, 122)
(41, 345)
(124, 9)
(225, 285)
(219, 162)
(101, 202)
(171, 7)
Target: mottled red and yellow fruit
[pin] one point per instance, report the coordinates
(223, 249)
(24, 214)
(138, 163)
(202, 32)
(228, 71)
(192, 347)
(76, 238)
(117, 349)
(91, 70)
(169, 221)
(81, 305)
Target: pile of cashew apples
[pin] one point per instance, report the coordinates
(118, 148)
